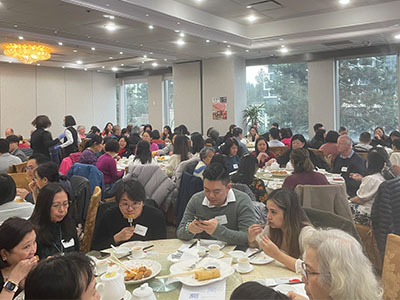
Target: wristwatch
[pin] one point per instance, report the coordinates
(10, 286)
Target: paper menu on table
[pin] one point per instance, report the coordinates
(280, 280)
(210, 291)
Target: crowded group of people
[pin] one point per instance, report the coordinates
(40, 234)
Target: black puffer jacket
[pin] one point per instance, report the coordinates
(385, 213)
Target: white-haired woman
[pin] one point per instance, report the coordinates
(336, 268)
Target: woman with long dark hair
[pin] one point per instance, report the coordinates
(181, 153)
(230, 152)
(246, 175)
(197, 143)
(124, 147)
(107, 131)
(284, 237)
(17, 250)
(167, 134)
(380, 138)
(143, 154)
(262, 152)
(55, 228)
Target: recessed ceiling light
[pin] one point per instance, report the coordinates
(110, 57)
(228, 46)
(109, 17)
(63, 67)
(180, 42)
(85, 69)
(102, 67)
(60, 43)
(98, 70)
(141, 45)
(55, 31)
(248, 6)
(20, 37)
(38, 65)
(93, 48)
(224, 42)
(151, 27)
(284, 50)
(145, 56)
(154, 64)
(344, 2)
(122, 65)
(79, 62)
(114, 69)
(10, 62)
(228, 52)
(165, 59)
(110, 26)
(74, 50)
(207, 41)
(107, 5)
(178, 23)
(247, 50)
(142, 62)
(121, 52)
(281, 39)
(89, 37)
(176, 30)
(181, 34)
(397, 37)
(15, 25)
(147, 15)
(251, 18)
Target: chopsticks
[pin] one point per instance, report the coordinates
(116, 261)
(194, 243)
(148, 247)
(255, 253)
(179, 274)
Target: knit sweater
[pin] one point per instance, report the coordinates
(239, 215)
(108, 166)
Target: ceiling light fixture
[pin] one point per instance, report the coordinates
(228, 46)
(207, 41)
(102, 67)
(121, 52)
(122, 65)
(151, 53)
(154, 64)
(142, 62)
(151, 27)
(74, 50)
(27, 53)
(251, 18)
(284, 49)
(110, 57)
(38, 65)
(79, 62)
(145, 56)
(224, 42)
(165, 59)
(20, 37)
(114, 69)
(176, 30)
(228, 52)
(93, 48)
(15, 25)
(147, 15)
(60, 43)
(63, 67)
(110, 27)
(109, 17)
(344, 2)
(85, 69)
(181, 34)
(141, 45)
(247, 50)
(178, 23)
(397, 37)
(180, 42)
(249, 6)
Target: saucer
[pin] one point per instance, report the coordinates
(220, 255)
(236, 267)
(139, 257)
(127, 296)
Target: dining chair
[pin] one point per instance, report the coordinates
(278, 150)
(21, 180)
(90, 220)
(370, 246)
(391, 268)
(19, 168)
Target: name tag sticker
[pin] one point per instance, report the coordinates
(68, 244)
(140, 230)
(235, 166)
(222, 219)
(344, 169)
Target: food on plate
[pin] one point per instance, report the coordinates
(160, 158)
(137, 273)
(279, 172)
(207, 274)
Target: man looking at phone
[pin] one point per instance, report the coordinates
(218, 212)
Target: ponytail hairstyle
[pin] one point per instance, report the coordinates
(301, 160)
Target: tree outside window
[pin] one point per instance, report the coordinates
(137, 108)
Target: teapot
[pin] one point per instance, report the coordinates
(274, 166)
(144, 292)
(112, 285)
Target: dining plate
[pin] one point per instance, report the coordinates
(154, 266)
(206, 243)
(181, 267)
(133, 244)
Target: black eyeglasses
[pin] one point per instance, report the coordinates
(307, 273)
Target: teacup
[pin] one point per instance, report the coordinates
(201, 251)
(137, 252)
(243, 264)
(121, 251)
(214, 250)
(112, 286)
(236, 254)
(101, 266)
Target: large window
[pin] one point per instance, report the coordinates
(168, 114)
(283, 90)
(368, 94)
(136, 99)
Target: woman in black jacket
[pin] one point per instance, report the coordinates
(72, 139)
(41, 139)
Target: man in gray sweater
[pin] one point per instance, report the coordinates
(218, 212)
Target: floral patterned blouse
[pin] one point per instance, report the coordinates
(258, 188)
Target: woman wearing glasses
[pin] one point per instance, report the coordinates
(285, 235)
(55, 229)
(130, 220)
(335, 267)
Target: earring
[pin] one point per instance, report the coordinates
(4, 258)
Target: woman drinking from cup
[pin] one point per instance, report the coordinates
(17, 250)
(55, 228)
(130, 219)
(262, 152)
(288, 228)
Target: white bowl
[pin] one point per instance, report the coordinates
(122, 251)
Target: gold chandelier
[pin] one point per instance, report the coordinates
(27, 53)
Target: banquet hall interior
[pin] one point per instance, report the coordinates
(229, 75)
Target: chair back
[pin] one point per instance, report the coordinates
(370, 246)
(391, 268)
(331, 198)
(363, 154)
(90, 220)
(19, 168)
(278, 150)
(22, 180)
(81, 194)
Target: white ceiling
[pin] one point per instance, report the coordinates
(303, 26)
